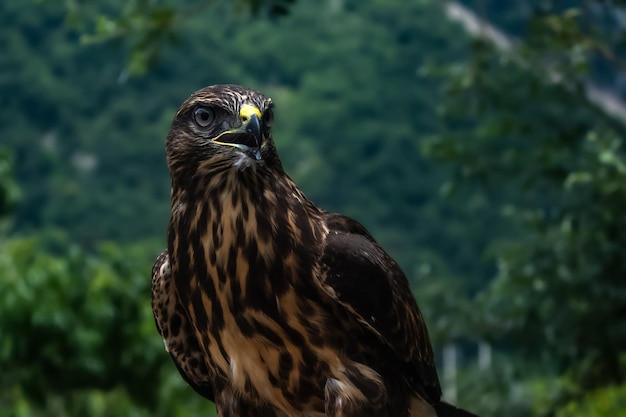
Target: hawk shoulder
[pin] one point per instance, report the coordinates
(362, 277)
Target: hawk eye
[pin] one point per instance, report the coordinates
(268, 117)
(203, 116)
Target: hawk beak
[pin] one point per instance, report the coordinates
(253, 127)
(248, 137)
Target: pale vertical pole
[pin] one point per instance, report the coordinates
(484, 355)
(449, 373)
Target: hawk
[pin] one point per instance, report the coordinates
(268, 305)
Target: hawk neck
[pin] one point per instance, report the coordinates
(250, 235)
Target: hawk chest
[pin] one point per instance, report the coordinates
(258, 316)
(269, 345)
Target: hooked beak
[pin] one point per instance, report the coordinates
(248, 137)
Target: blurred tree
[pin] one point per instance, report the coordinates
(148, 27)
(610, 401)
(9, 192)
(78, 337)
(523, 122)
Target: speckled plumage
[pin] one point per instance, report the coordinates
(269, 305)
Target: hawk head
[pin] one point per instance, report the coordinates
(221, 126)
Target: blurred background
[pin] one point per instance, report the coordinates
(481, 142)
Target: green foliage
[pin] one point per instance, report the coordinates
(149, 27)
(520, 122)
(78, 336)
(69, 304)
(575, 250)
(609, 401)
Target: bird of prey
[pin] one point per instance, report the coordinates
(268, 305)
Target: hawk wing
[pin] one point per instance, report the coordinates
(177, 331)
(362, 277)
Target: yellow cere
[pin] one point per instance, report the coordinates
(247, 111)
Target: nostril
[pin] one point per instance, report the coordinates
(244, 118)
